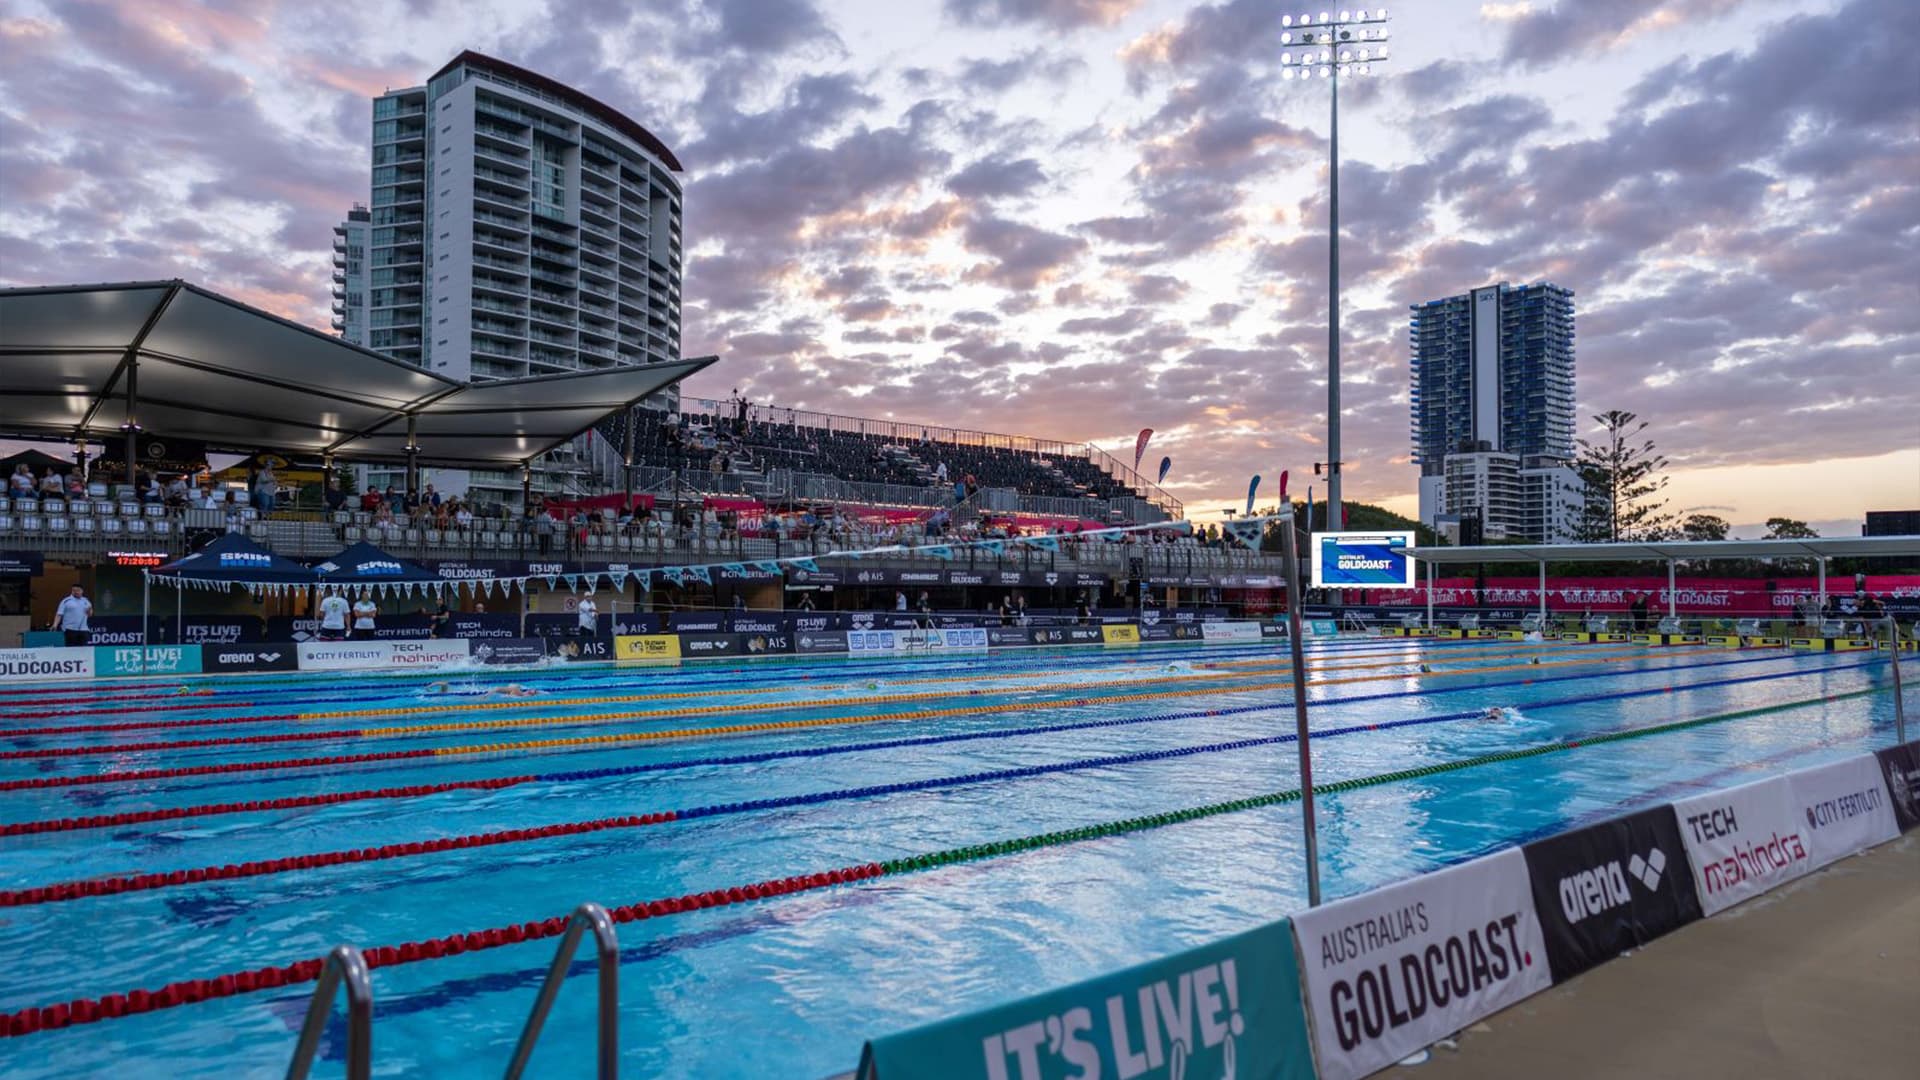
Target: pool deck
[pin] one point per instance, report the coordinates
(1818, 979)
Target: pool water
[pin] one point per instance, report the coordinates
(972, 749)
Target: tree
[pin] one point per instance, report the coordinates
(1704, 527)
(1623, 477)
(1782, 528)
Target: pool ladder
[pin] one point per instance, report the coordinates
(345, 966)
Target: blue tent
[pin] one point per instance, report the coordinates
(236, 560)
(365, 564)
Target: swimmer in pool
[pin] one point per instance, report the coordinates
(1498, 715)
(514, 689)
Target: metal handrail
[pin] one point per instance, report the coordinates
(1899, 694)
(587, 915)
(344, 965)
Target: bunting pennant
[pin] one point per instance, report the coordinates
(1247, 531)
(553, 581)
(1043, 543)
(1166, 464)
(619, 579)
(643, 580)
(1252, 489)
(487, 583)
(808, 565)
(698, 573)
(734, 568)
(995, 546)
(1140, 446)
(937, 551)
(767, 566)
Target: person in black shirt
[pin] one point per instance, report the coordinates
(440, 622)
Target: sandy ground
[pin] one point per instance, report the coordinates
(1818, 979)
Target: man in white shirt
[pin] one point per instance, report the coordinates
(589, 617)
(71, 616)
(364, 609)
(333, 617)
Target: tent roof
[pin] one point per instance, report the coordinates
(234, 558)
(209, 368)
(1661, 551)
(355, 566)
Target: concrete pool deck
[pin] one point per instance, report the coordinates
(1820, 978)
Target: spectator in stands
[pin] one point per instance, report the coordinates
(806, 602)
(543, 525)
(151, 493)
(900, 600)
(940, 474)
(1020, 608)
(393, 499)
(1005, 611)
(588, 622)
(364, 611)
(20, 485)
(76, 487)
(53, 485)
(266, 488)
(430, 497)
(336, 499)
(370, 501)
(383, 514)
(231, 505)
(178, 492)
(1083, 610)
(440, 621)
(462, 517)
(71, 616)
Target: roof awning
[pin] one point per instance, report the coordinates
(205, 367)
(1818, 547)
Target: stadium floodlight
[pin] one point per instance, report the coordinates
(1331, 47)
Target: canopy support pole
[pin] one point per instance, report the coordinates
(132, 425)
(1429, 595)
(413, 457)
(1673, 602)
(146, 610)
(179, 617)
(627, 459)
(1822, 564)
(1543, 596)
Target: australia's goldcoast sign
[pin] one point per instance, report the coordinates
(1614, 886)
(1390, 971)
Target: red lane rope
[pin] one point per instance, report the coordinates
(143, 725)
(113, 886)
(190, 991)
(292, 802)
(49, 714)
(209, 770)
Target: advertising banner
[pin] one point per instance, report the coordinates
(1742, 842)
(1067, 635)
(699, 645)
(1356, 560)
(1229, 1008)
(22, 564)
(386, 628)
(348, 655)
(697, 622)
(803, 622)
(763, 644)
(20, 665)
(1390, 971)
(1900, 765)
(1845, 806)
(646, 647)
(146, 660)
(1009, 635)
(820, 641)
(240, 657)
(1230, 631)
(486, 624)
(509, 650)
(1120, 635)
(1607, 888)
(581, 648)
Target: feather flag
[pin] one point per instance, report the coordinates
(1283, 485)
(1246, 531)
(1252, 488)
(1140, 446)
(1166, 465)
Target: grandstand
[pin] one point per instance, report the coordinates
(773, 453)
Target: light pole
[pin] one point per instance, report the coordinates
(1333, 44)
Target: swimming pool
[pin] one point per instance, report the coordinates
(779, 769)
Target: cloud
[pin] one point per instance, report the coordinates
(997, 178)
(1060, 14)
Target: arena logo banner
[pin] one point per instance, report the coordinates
(248, 658)
(1228, 1008)
(20, 665)
(408, 627)
(820, 641)
(1743, 841)
(1607, 888)
(1357, 560)
(1900, 765)
(1390, 971)
(698, 645)
(1845, 806)
(1066, 635)
(349, 655)
(147, 660)
(510, 651)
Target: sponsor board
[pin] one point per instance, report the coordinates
(765, 644)
(22, 564)
(509, 650)
(646, 647)
(1742, 841)
(347, 655)
(1228, 1008)
(820, 641)
(1230, 631)
(581, 648)
(54, 663)
(697, 645)
(1009, 635)
(1065, 635)
(1120, 635)
(699, 622)
(1607, 888)
(757, 624)
(1844, 806)
(277, 657)
(1900, 766)
(1390, 971)
(867, 641)
(146, 660)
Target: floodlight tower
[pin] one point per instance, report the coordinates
(1333, 44)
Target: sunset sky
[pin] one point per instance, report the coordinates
(1077, 218)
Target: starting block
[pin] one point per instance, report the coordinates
(1827, 644)
(1393, 631)
(1483, 633)
(1666, 639)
